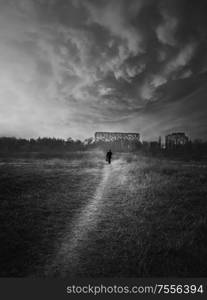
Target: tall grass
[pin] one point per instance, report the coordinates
(159, 222)
(152, 221)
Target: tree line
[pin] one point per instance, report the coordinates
(12, 144)
(196, 149)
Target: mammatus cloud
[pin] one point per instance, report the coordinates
(181, 59)
(166, 30)
(112, 16)
(69, 68)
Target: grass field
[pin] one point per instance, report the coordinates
(78, 216)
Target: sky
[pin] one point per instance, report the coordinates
(69, 68)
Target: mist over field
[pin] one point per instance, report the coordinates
(80, 216)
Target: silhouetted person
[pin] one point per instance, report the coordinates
(108, 156)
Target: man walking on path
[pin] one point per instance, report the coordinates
(108, 156)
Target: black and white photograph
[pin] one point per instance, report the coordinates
(103, 139)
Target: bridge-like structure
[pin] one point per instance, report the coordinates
(116, 136)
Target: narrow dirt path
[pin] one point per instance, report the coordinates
(94, 224)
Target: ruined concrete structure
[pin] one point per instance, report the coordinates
(176, 139)
(116, 136)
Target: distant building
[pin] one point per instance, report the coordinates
(116, 136)
(176, 139)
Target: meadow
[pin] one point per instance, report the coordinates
(78, 216)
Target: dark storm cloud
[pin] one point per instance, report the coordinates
(108, 64)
